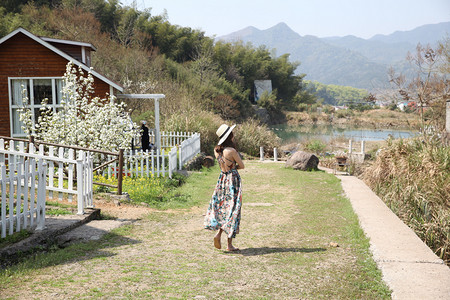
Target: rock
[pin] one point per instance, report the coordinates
(196, 163)
(208, 161)
(333, 244)
(303, 161)
(118, 199)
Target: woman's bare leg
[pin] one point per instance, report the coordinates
(230, 246)
(217, 239)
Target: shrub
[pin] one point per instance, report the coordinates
(302, 107)
(413, 178)
(315, 146)
(204, 122)
(344, 113)
(250, 136)
(328, 109)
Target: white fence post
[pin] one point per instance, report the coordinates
(80, 183)
(40, 203)
(172, 161)
(275, 154)
(261, 153)
(3, 206)
(180, 154)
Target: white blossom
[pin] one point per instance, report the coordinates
(83, 120)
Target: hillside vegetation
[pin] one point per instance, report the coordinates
(205, 83)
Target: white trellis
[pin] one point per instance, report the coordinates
(23, 196)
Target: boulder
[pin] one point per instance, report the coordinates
(303, 161)
(208, 161)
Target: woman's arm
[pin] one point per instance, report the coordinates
(237, 159)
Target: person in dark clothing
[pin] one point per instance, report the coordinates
(145, 139)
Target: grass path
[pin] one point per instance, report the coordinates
(289, 219)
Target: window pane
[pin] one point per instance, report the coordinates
(17, 124)
(42, 89)
(58, 89)
(19, 88)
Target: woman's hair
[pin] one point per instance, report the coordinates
(227, 143)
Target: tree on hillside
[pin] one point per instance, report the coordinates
(282, 74)
(430, 88)
(244, 64)
(336, 94)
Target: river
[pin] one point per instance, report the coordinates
(289, 134)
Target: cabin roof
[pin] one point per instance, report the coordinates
(75, 43)
(46, 43)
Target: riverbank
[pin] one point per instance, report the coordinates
(377, 118)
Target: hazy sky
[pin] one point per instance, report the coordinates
(322, 18)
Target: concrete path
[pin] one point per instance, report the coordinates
(409, 267)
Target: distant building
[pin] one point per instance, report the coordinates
(402, 105)
(262, 86)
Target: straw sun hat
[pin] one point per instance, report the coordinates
(223, 132)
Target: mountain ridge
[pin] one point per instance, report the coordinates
(348, 60)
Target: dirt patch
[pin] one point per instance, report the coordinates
(122, 210)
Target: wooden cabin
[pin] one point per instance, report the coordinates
(38, 64)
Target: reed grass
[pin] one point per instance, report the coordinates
(413, 179)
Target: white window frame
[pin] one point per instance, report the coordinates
(31, 103)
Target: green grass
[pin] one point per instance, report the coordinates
(156, 192)
(285, 250)
(16, 237)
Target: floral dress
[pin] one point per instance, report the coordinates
(224, 209)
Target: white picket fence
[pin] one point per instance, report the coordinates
(159, 163)
(145, 164)
(61, 170)
(23, 196)
(172, 138)
(188, 149)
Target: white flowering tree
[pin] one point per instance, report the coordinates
(82, 120)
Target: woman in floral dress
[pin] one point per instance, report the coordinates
(224, 211)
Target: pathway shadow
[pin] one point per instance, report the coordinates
(269, 250)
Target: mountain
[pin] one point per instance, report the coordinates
(348, 60)
(426, 34)
(375, 50)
